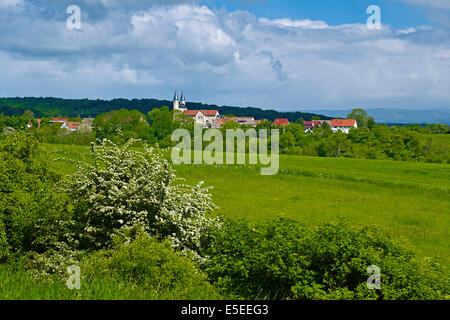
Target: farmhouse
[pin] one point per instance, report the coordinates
(71, 126)
(343, 125)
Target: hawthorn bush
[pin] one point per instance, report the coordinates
(126, 190)
(281, 259)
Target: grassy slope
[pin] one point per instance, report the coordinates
(409, 199)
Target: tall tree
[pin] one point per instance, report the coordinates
(361, 116)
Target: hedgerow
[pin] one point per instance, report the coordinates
(282, 259)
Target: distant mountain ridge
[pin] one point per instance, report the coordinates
(90, 108)
(397, 116)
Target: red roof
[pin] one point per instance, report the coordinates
(73, 125)
(343, 122)
(208, 113)
(59, 119)
(281, 122)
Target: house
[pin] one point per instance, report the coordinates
(204, 117)
(59, 120)
(281, 122)
(29, 125)
(343, 125)
(249, 121)
(217, 123)
(71, 126)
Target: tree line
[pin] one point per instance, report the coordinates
(46, 107)
(368, 141)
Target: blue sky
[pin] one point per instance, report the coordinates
(281, 54)
(334, 12)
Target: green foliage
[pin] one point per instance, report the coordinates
(361, 116)
(366, 142)
(281, 259)
(104, 276)
(29, 207)
(151, 265)
(14, 122)
(121, 125)
(162, 125)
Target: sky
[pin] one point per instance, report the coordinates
(288, 55)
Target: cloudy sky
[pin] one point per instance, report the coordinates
(281, 54)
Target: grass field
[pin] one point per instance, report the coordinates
(410, 200)
(21, 285)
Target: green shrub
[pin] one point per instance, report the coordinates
(281, 259)
(151, 265)
(29, 207)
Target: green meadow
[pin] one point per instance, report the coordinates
(408, 199)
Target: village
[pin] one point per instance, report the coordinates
(212, 119)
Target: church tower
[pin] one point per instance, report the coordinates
(179, 105)
(182, 101)
(176, 102)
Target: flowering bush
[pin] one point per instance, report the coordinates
(125, 191)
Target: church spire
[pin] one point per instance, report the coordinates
(182, 96)
(175, 96)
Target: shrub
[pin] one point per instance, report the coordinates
(281, 259)
(152, 266)
(29, 208)
(125, 190)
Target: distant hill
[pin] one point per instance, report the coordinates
(90, 108)
(398, 116)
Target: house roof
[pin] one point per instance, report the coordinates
(343, 122)
(239, 119)
(281, 122)
(59, 119)
(208, 113)
(73, 125)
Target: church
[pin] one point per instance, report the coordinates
(179, 104)
(207, 118)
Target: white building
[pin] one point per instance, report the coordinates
(207, 118)
(343, 125)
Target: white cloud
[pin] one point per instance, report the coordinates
(225, 58)
(305, 24)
